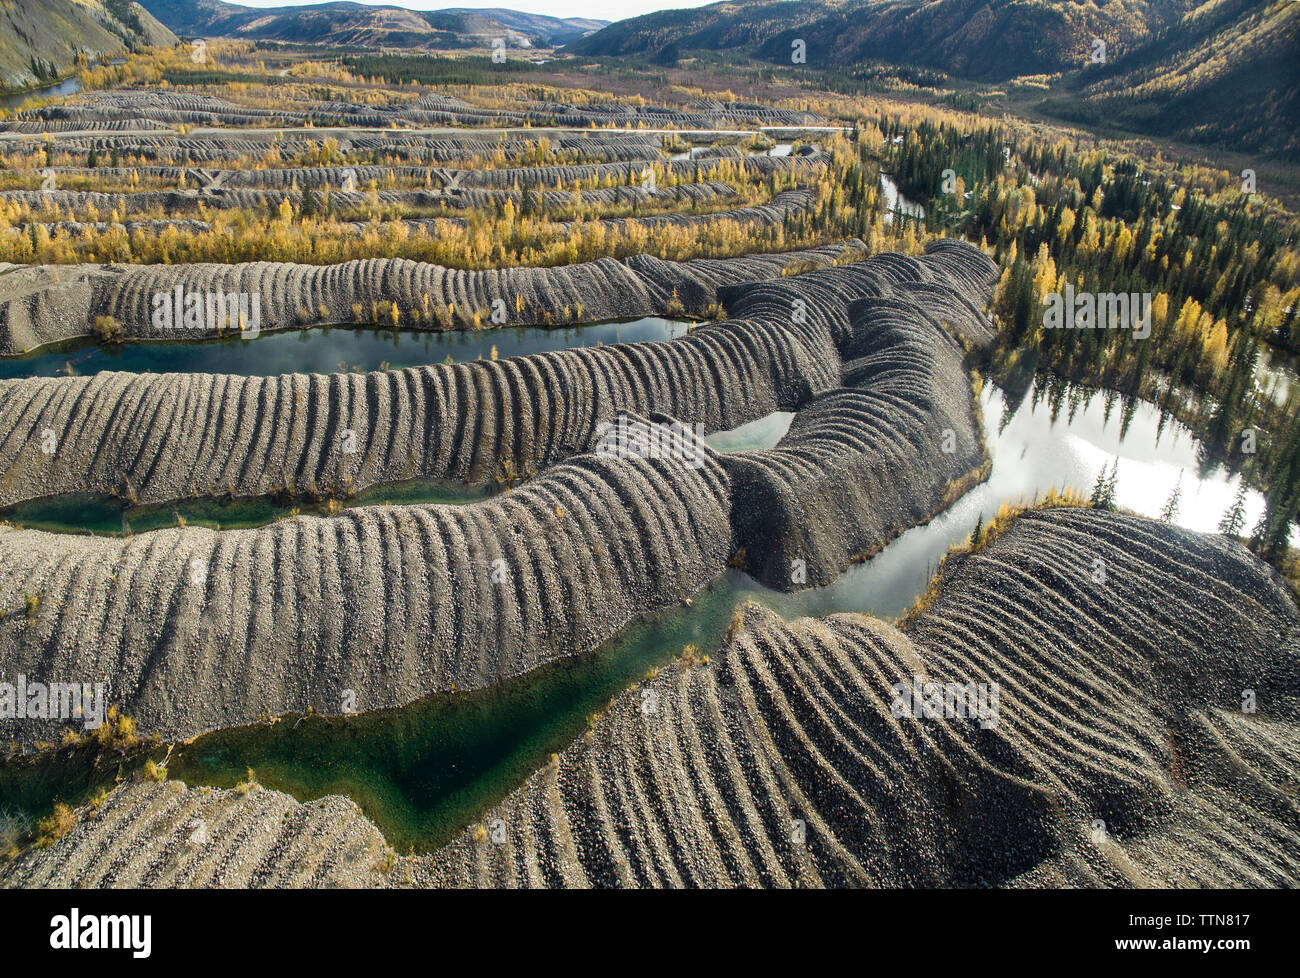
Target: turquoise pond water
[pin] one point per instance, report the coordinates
(327, 349)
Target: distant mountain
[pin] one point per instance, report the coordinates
(978, 39)
(40, 39)
(552, 30)
(1209, 71)
(355, 24)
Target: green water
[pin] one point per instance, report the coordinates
(423, 772)
(328, 349)
(31, 784)
(108, 516)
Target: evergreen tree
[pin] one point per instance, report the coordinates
(1170, 512)
(308, 203)
(1098, 487)
(1112, 483)
(1235, 518)
(1103, 490)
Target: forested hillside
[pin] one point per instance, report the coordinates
(1221, 72)
(40, 40)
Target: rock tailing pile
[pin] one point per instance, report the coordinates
(194, 201)
(876, 455)
(248, 839)
(251, 436)
(196, 628)
(131, 109)
(264, 189)
(40, 305)
(229, 146)
(1118, 753)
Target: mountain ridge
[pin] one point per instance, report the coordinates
(343, 22)
(1209, 71)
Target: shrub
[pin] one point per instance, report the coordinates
(108, 329)
(55, 826)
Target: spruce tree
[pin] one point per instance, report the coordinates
(1235, 518)
(1098, 487)
(1103, 490)
(1170, 512)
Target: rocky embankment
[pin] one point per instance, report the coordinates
(1118, 752)
(199, 190)
(195, 628)
(752, 218)
(230, 146)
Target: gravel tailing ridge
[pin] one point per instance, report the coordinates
(195, 628)
(1121, 755)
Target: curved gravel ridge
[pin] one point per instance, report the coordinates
(862, 462)
(194, 628)
(510, 177)
(211, 838)
(626, 170)
(218, 146)
(28, 127)
(754, 216)
(1121, 755)
(554, 175)
(122, 108)
(191, 201)
(164, 437)
(80, 228)
(48, 304)
(454, 188)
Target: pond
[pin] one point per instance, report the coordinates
(14, 100)
(1037, 444)
(1277, 375)
(896, 202)
(327, 349)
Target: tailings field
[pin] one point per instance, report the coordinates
(552, 488)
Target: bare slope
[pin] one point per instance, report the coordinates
(369, 25)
